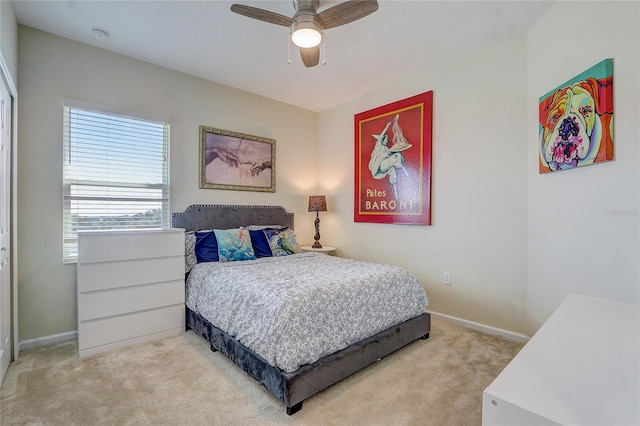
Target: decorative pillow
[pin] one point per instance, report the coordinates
(190, 258)
(260, 244)
(282, 242)
(206, 247)
(289, 242)
(234, 244)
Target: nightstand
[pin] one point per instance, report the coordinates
(325, 249)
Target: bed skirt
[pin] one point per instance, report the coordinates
(293, 388)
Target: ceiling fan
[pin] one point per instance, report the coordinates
(307, 24)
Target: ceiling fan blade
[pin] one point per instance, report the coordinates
(346, 12)
(261, 15)
(310, 55)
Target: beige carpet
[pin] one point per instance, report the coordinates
(179, 381)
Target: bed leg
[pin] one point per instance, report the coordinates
(213, 349)
(425, 337)
(295, 408)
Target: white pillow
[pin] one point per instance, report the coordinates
(261, 227)
(190, 259)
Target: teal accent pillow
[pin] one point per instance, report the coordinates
(282, 242)
(234, 244)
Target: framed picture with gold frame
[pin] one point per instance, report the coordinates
(236, 161)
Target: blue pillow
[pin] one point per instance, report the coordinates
(260, 244)
(206, 247)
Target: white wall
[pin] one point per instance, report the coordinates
(52, 68)
(516, 242)
(478, 231)
(583, 224)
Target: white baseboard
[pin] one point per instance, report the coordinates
(47, 340)
(505, 334)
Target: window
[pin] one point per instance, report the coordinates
(116, 174)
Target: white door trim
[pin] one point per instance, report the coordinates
(13, 91)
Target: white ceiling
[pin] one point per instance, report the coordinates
(206, 39)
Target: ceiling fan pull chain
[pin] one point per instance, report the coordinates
(324, 52)
(289, 48)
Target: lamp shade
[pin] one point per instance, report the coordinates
(317, 203)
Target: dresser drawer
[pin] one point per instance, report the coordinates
(127, 245)
(129, 299)
(110, 331)
(108, 275)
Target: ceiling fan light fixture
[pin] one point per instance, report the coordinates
(307, 25)
(306, 33)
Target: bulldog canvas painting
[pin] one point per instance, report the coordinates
(393, 162)
(576, 121)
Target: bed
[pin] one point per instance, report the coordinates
(279, 374)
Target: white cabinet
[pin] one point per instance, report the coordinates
(581, 368)
(130, 288)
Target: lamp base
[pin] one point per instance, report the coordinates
(316, 237)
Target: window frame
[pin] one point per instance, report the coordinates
(69, 236)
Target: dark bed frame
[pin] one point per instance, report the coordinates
(290, 388)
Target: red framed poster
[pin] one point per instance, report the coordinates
(393, 162)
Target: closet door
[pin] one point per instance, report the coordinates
(5, 227)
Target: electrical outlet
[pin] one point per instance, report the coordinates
(447, 278)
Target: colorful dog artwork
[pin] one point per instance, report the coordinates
(576, 121)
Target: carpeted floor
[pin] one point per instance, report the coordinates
(179, 381)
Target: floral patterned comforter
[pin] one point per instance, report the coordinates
(294, 310)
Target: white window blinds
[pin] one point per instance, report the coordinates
(116, 174)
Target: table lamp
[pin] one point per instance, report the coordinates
(317, 203)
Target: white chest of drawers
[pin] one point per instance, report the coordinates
(130, 288)
(581, 368)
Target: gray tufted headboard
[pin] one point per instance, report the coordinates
(213, 216)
